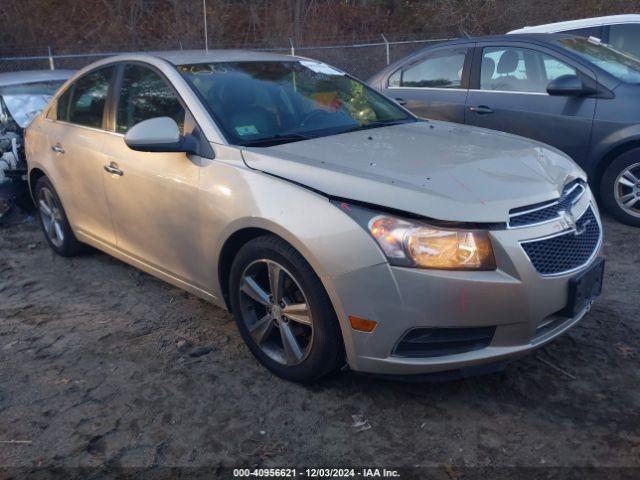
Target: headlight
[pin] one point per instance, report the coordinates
(416, 244)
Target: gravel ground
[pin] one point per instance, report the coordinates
(101, 364)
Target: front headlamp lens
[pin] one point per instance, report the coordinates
(424, 246)
(450, 249)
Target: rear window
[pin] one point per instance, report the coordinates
(442, 69)
(62, 107)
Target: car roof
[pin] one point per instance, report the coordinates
(32, 76)
(538, 38)
(582, 23)
(182, 57)
(542, 38)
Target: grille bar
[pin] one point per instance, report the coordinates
(567, 251)
(548, 211)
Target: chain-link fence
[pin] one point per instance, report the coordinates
(359, 59)
(364, 59)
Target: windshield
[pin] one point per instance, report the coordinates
(268, 102)
(621, 65)
(27, 100)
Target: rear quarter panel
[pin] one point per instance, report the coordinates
(36, 151)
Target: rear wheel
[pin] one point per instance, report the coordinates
(620, 188)
(53, 220)
(283, 312)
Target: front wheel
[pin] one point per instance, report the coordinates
(620, 188)
(283, 312)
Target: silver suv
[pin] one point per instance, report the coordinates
(332, 222)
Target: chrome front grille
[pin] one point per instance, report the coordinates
(547, 211)
(568, 250)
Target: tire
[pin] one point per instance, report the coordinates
(618, 187)
(56, 228)
(315, 330)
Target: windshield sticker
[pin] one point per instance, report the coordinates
(247, 130)
(321, 68)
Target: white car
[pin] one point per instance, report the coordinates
(23, 95)
(619, 31)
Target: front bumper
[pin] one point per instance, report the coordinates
(525, 307)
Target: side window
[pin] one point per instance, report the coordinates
(89, 98)
(442, 69)
(554, 68)
(626, 38)
(145, 95)
(62, 105)
(586, 31)
(394, 79)
(519, 70)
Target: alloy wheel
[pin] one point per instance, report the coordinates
(276, 312)
(51, 215)
(627, 190)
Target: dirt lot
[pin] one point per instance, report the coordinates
(101, 364)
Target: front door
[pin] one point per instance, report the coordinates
(510, 95)
(153, 197)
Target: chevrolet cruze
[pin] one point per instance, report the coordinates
(337, 227)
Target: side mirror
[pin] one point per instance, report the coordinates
(160, 134)
(570, 86)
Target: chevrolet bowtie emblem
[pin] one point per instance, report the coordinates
(568, 222)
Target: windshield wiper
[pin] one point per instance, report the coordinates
(379, 123)
(276, 140)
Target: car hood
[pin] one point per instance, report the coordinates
(23, 107)
(433, 169)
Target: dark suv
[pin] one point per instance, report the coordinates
(574, 93)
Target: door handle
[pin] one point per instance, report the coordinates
(57, 148)
(401, 101)
(481, 110)
(113, 169)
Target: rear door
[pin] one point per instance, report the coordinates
(75, 134)
(433, 85)
(509, 93)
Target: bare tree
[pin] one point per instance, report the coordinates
(99, 25)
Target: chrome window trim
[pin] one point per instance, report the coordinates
(93, 129)
(559, 234)
(547, 205)
(429, 88)
(518, 92)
